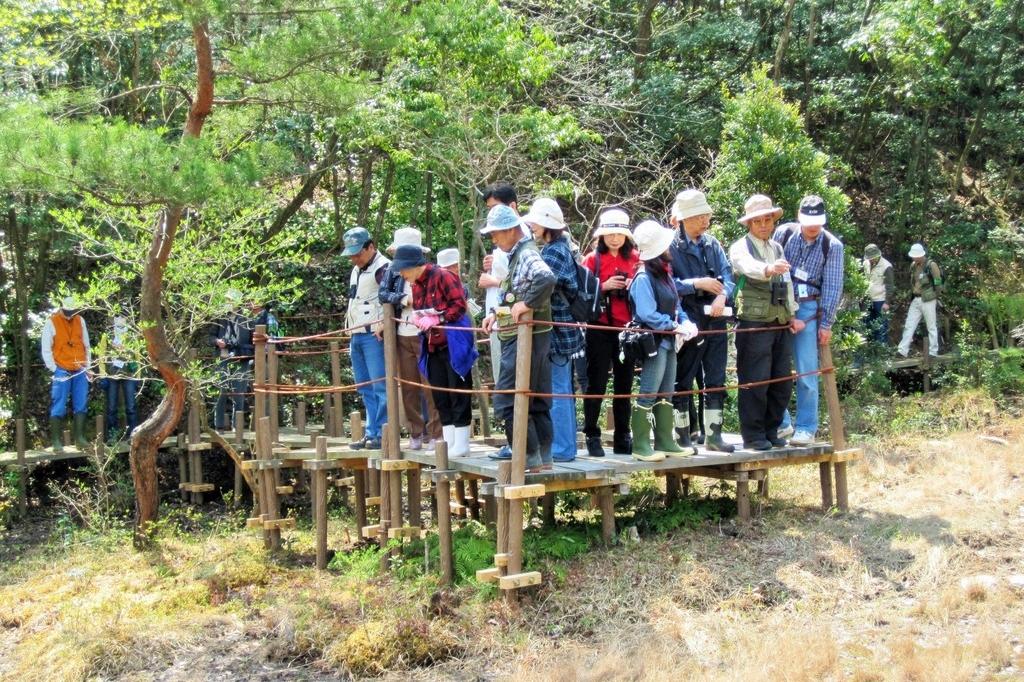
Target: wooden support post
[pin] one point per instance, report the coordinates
(504, 478)
(272, 508)
(926, 365)
(686, 486)
(183, 465)
(259, 375)
(474, 499)
(272, 398)
(300, 417)
(356, 430)
(743, 498)
(838, 433)
(606, 502)
(413, 480)
(100, 435)
(239, 444)
(520, 408)
(329, 429)
(359, 483)
(548, 503)
(337, 417)
(490, 513)
(460, 497)
(671, 488)
(67, 437)
(609, 418)
(393, 425)
(484, 401)
(19, 442)
(195, 438)
(762, 488)
(320, 505)
(442, 491)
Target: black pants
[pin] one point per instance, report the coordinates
(602, 360)
(702, 359)
(453, 408)
(540, 432)
(762, 355)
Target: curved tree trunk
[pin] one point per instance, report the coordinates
(147, 438)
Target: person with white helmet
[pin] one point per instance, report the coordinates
(67, 354)
(614, 261)
(926, 285)
(549, 231)
(656, 307)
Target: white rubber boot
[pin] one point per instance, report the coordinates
(448, 435)
(461, 437)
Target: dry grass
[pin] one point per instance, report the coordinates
(912, 585)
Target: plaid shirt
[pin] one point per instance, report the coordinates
(566, 341)
(823, 279)
(441, 290)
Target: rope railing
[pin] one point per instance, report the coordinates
(601, 327)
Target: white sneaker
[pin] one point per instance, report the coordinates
(801, 438)
(786, 431)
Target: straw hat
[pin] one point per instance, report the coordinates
(546, 213)
(758, 205)
(447, 257)
(690, 203)
(407, 236)
(652, 239)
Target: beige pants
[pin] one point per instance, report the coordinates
(412, 396)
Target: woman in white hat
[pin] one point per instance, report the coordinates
(614, 261)
(395, 290)
(656, 306)
(548, 226)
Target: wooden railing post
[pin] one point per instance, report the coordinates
(239, 444)
(272, 399)
(300, 417)
(320, 504)
(260, 375)
(334, 399)
(838, 432)
(19, 440)
(393, 425)
(521, 415)
(443, 494)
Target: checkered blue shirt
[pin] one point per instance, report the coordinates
(823, 279)
(566, 341)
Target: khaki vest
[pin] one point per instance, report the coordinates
(542, 313)
(364, 306)
(876, 278)
(68, 344)
(754, 297)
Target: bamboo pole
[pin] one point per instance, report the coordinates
(837, 429)
(338, 418)
(521, 406)
(319, 483)
(443, 494)
(19, 439)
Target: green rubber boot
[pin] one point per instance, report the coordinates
(641, 424)
(57, 434)
(664, 431)
(78, 429)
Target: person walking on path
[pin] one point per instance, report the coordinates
(656, 307)
(67, 354)
(704, 283)
(881, 288)
(364, 321)
(925, 286)
(614, 261)
(233, 363)
(527, 288)
(545, 221)
(397, 291)
(764, 302)
(816, 259)
(446, 354)
(118, 378)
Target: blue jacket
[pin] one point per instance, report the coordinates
(645, 308)
(692, 261)
(462, 353)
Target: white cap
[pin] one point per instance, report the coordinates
(916, 251)
(447, 257)
(546, 213)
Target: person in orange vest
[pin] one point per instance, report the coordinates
(67, 354)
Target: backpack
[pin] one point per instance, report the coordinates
(826, 244)
(586, 306)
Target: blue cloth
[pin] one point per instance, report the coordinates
(66, 384)
(563, 410)
(658, 375)
(462, 353)
(130, 389)
(877, 322)
(692, 260)
(234, 385)
(805, 359)
(824, 279)
(565, 340)
(367, 364)
(646, 309)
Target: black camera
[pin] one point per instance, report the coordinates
(619, 293)
(779, 292)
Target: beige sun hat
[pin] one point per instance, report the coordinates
(613, 221)
(652, 239)
(690, 203)
(407, 236)
(448, 257)
(547, 213)
(758, 205)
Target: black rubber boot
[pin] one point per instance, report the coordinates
(78, 426)
(57, 434)
(594, 448)
(622, 444)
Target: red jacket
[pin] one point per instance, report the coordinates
(611, 266)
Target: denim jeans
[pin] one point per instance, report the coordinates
(563, 410)
(368, 364)
(65, 384)
(114, 388)
(805, 359)
(658, 375)
(234, 385)
(877, 322)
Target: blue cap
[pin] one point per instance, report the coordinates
(501, 217)
(355, 239)
(408, 256)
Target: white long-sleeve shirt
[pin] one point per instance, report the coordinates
(46, 344)
(747, 264)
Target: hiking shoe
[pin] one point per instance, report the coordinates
(785, 431)
(503, 453)
(594, 448)
(802, 438)
(760, 445)
(366, 443)
(778, 442)
(415, 443)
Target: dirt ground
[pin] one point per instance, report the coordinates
(923, 580)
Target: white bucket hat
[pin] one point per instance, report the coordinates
(68, 303)
(916, 251)
(546, 213)
(407, 236)
(758, 205)
(652, 239)
(447, 257)
(613, 221)
(690, 203)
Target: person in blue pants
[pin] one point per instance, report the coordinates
(545, 221)
(67, 354)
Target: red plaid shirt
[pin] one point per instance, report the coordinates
(441, 290)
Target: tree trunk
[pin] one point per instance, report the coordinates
(385, 197)
(19, 242)
(808, 82)
(428, 211)
(644, 29)
(305, 193)
(783, 41)
(367, 189)
(147, 438)
(336, 200)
